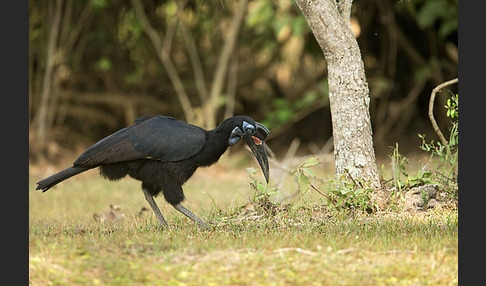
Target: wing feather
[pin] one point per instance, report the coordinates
(159, 138)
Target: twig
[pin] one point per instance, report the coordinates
(324, 195)
(279, 165)
(78, 27)
(327, 147)
(431, 108)
(399, 109)
(299, 250)
(351, 177)
(392, 251)
(347, 250)
(294, 145)
(445, 177)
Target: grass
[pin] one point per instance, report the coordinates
(300, 244)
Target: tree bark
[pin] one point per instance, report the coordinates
(348, 90)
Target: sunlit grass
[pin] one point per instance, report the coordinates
(300, 244)
(289, 247)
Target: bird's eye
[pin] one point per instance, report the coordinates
(235, 136)
(249, 128)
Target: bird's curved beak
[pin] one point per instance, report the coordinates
(257, 146)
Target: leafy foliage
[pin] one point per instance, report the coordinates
(347, 194)
(261, 191)
(399, 163)
(342, 194)
(107, 71)
(447, 154)
(303, 173)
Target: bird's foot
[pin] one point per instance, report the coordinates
(192, 216)
(163, 224)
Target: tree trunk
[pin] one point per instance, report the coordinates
(348, 90)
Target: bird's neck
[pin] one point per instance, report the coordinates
(216, 145)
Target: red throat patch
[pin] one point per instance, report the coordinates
(256, 140)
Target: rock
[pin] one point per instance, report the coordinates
(114, 214)
(433, 203)
(421, 198)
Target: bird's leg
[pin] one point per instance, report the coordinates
(192, 216)
(155, 208)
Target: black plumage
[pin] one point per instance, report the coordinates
(163, 152)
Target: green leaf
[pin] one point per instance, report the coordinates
(251, 170)
(99, 4)
(447, 28)
(261, 187)
(431, 12)
(272, 191)
(299, 25)
(415, 182)
(358, 191)
(427, 174)
(452, 141)
(171, 9)
(339, 201)
(309, 171)
(280, 23)
(104, 64)
(296, 176)
(303, 183)
(344, 191)
(260, 15)
(310, 162)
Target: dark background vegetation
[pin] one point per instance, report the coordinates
(105, 71)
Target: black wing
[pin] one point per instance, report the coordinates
(160, 138)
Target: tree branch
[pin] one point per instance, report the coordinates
(162, 52)
(395, 110)
(223, 62)
(41, 119)
(431, 107)
(196, 63)
(231, 87)
(78, 27)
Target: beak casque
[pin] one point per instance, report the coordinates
(256, 143)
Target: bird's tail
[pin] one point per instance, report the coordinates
(55, 179)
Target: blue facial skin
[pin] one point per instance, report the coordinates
(248, 128)
(236, 134)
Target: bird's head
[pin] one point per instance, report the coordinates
(254, 133)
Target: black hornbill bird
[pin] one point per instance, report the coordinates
(164, 152)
